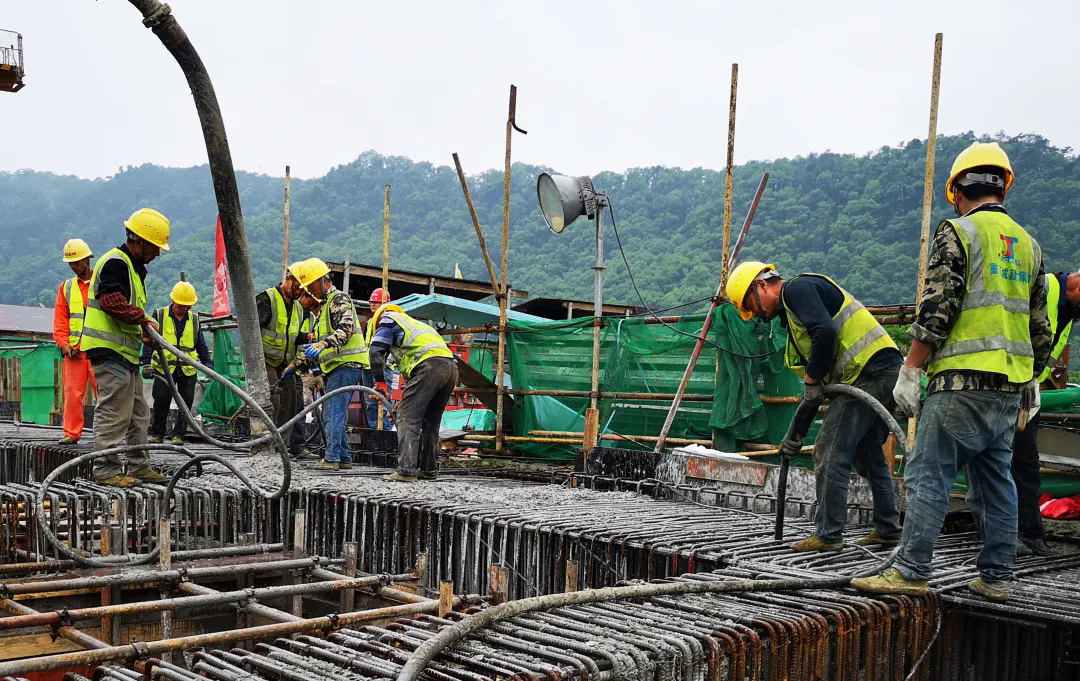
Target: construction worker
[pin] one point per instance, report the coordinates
(832, 338)
(112, 337)
(371, 404)
(1063, 307)
(338, 351)
(983, 333)
(182, 329)
(281, 317)
(68, 314)
(431, 374)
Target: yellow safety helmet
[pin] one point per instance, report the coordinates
(309, 271)
(184, 294)
(75, 250)
(978, 154)
(739, 282)
(150, 225)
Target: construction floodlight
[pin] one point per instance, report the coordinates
(564, 199)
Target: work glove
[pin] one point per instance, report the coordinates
(147, 371)
(287, 374)
(312, 351)
(813, 392)
(1030, 402)
(790, 447)
(908, 391)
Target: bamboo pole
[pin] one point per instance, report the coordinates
(928, 186)
(285, 250)
(386, 238)
(476, 225)
(729, 173)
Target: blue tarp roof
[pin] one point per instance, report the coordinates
(443, 309)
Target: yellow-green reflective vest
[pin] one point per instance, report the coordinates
(186, 343)
(102, 331)
(859, 337)
(421, 341)
(355, 350)
(76, 310)
(1053, 298)
(279, 336)
(991, 331)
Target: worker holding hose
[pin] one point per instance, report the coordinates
(112, 337)
(832, 338)
(339, 352)
(68, 314)
(983, 333)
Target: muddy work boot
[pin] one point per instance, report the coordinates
(304, 453)
(68, 440)
(327, 466)
(996, 590)
(424, 475)
(816, 543)
(1036, 545)
(1023, 550)
(148, 475)
(398, 477)
(875, 539)
(117, 481)
(890, 581)
(345, 465)
(155, 439)
(177, 440)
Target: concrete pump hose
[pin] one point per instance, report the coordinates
(273, 437)
(834, 389)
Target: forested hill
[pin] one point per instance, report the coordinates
(855, 218)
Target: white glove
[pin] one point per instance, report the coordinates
(908, 391)
(1030, 403)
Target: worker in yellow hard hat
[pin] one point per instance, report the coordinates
(68, 314)
(338, 351)
(112, 337)
(983, 333)
(182, 329)
(832, 338)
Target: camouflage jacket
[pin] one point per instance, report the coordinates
(943, 294)
(342, 321)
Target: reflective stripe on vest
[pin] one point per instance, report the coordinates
(100, 330)
(186, 344)
(991, 333)
(355, 350)
(76, 310)
(421, 342)
(279, 337)
(1053, 298)
(859, 337)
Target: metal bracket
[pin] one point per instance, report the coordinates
(141, 651)
(334, 624)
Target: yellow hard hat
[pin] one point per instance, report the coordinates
(309, 271)
(184, 294)
(739, 282)
(75, 250)
(150, 225)
(978, 154)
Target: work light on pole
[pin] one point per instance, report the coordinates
(564, 199)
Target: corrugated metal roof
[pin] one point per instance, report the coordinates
(22, 319)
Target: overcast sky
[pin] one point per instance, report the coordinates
(601, 85)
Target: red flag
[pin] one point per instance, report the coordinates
(221, 277)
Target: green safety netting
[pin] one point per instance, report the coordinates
(38, 376)
(637, 356)
(218, 402)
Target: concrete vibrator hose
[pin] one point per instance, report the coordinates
(272, 438)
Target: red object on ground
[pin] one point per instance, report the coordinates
(221, 277)
(1061, 509)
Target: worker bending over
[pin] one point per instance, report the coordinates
(112, 337)
(281, 318)
(1063, 307)
(371, 403)
(68, 314)
(983, 333)
(431, 374)
(339, 352)
(832, 338)
(182, 329)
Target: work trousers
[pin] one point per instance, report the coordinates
(1025, 473)
(163, 399)
(120, 417)
(77, 373)
(371, 404)
(853, 434)
(419, 414)
(334, 412)
(958, 428)
(282, 398)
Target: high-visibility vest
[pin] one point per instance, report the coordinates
(279, 336)
(859, 337)
(186, 343)
(421, 341)
(102, 331)
(355, 350)
(991, 333)
(1053, 298)
(76, 310)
